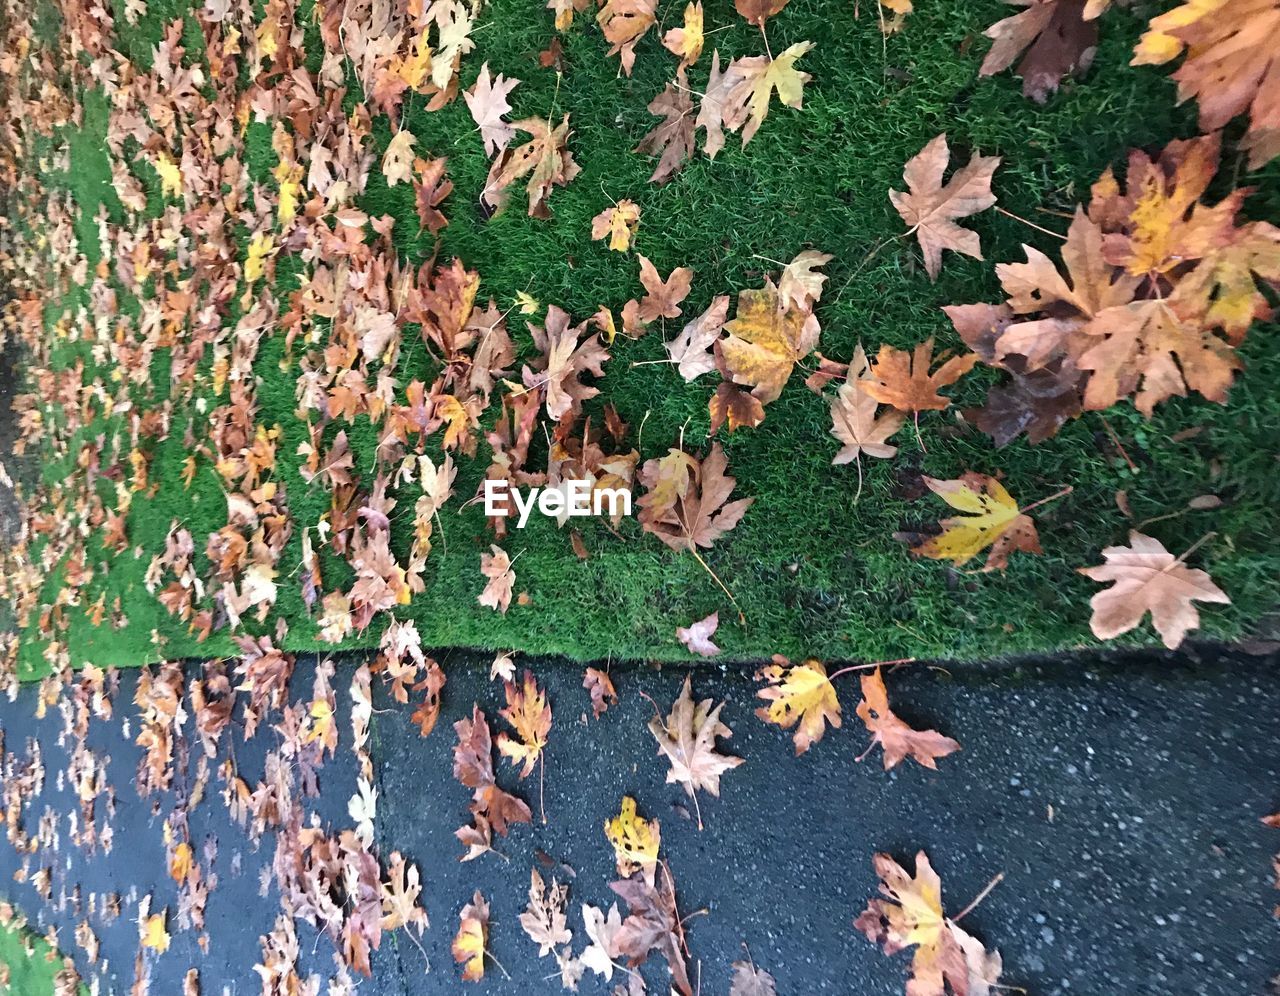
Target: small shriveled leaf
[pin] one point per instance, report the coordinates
(697, 636)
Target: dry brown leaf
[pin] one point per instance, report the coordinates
(898, 739)
(1148, 578)
(688, 739)
(931, 209)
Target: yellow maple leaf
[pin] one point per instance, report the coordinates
(781, 75)
(154, 936)
(469, 942)
(799, 695)
(766, 341)
(687, 41)
(992, 519)
(527, 303)
(415, 68)
(635, 841)
(170, 176)
(261, 246)
(180, 863)
(618, 223)
(289, 176)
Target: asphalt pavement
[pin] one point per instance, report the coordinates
(1120, 797)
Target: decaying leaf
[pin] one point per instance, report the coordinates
(856, 420)
(748, 980)
(691, 349)
(685, 500)
(1056, 36)
(653, 924)
(472, 937)
(496, 566)
(992, 519)
(932, 209)
(530, 716)
(635, 841)
(487, 102)
(672, 140)
(602, 930)
(688, 739)
(545, 919)
(903, 380)
(1232, 65)
(898, 739)
(617, 224)
(738, 98)
(697, 636)
(686, 41)
(600, 687)
(799, 695)
(624, 23)
(766, 339)
(911, 915)
(545, 160)
(1148, 578)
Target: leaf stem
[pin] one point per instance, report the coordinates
(1030, 224)
(978, 898)
(1053, 497)
(867, 667)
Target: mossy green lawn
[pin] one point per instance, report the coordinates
(814, 572)
(32, 964)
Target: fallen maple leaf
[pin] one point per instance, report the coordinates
(801, 284)
(684, 505)
(686, 41)
(1148, 578)
(735, 406)
(397, 161)
(545, 159)
(530, 716)
(473, 934)
(624, 23)
(154, 934)
(903, 380)
(602, 931)
(856, 421)
(544, 919)
(897, 738)
(931, 209)
(697, 636)
(672, 140)
(691, 349)
(600, 687)
(911, 915)
(653, 924)
(635, 841)
(766, 339)
(567, 353)
(758, 11)
(688, 739)
(662, 297)
(491, 807)
(400, 896)
(739, 97)
(1232, 64)
(748, 980)
(496, 566)
(487, 102)
(426, 714)
(618, 224)
(799, 695)
(1057, 36)
(993, 520)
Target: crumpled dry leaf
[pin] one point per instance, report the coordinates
(766, 340)
(470, 941)
(624, 23)
(600, 687)
(697, 636)
(618, 224)
(672, 140)
(653, 924)
(635, 841)
(545, 159)
(897, 738)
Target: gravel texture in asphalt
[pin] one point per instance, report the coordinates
(1120, 799)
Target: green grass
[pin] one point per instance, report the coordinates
(814, 572)
(30, 961)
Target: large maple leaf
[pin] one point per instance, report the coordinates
(1148, 578)
(766, 339)
(931, 209)
(672, 139)
(1232, 64)
(1059, 37)
(688, 739)
(992, 519)
(685, 504)
(545, 160)
(739, 97)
